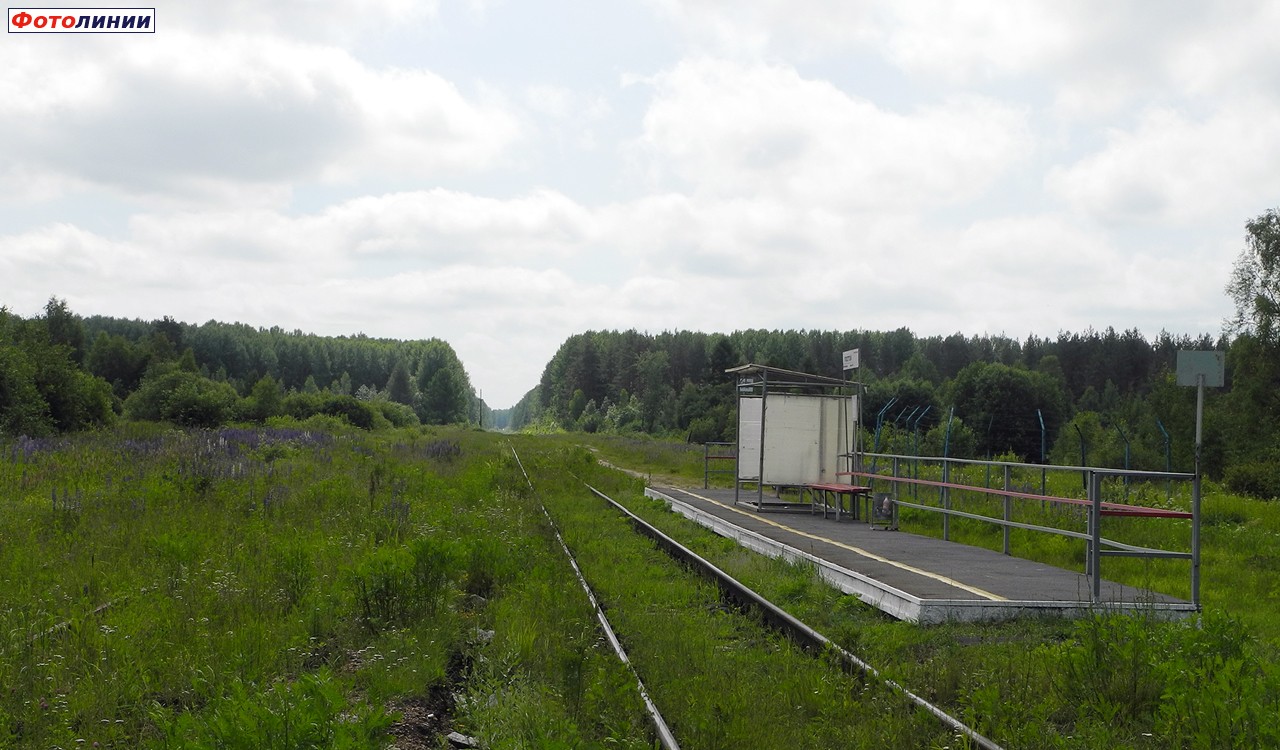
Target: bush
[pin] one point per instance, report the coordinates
(309, 712)
(1256, 478)
(395, 585)
(703, 430)
(358, 413)
(23, 411)
(399, 415)
(183, 398)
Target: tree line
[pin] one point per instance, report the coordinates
(61, 372)
(1098, 397)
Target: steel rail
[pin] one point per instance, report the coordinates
(664, 733)
(786, 622)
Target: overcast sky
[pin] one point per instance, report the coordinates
(503, 174)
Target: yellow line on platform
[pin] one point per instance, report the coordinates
(858, 550)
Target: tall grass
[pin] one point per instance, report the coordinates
(722, 679)
(1106, 681)
(267, 588)
(286, 587)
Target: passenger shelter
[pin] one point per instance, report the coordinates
(796, 432)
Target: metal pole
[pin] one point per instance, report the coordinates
(946, 440)
(946, 477)
(764, 400)
(1084, 461)
(895, 484)
(1043, 472)
(905, 448)
(1195, 496)
(946, 500)
(1095, 534)
(880, 420)
(1168, 461)
(1125, 438)
(916, 430)
(880, 423)
(1008, 508)
(858, 443)
(737, 450)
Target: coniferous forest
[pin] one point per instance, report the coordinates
(1099, 397)
(1103, 398)
(60, 372)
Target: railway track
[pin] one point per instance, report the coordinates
(660, 728)
(745, 597)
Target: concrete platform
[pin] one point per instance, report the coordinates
(911, 577)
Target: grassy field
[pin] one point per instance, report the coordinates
(1104, 682)
(292, 587)
(281, 588)
(1240, 536)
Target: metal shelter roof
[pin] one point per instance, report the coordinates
(789, 377)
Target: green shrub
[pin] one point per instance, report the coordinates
(1259, 479)
(703, 430)
(393, 585)
(310, 712)
(181, 397)
(357, 413)
(399, 415)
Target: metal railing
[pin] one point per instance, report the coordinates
(904, 472)
(719, 455)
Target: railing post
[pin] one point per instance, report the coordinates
(1044, 474)
(1195, 495)
(1195, 541)
(1084, 460)
(1008, 509)
(706, 466)
(1095, 534)
(946, 500)
(895, 484)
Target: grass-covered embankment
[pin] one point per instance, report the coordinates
(291, 588)
(1109, 681)
(280, 588)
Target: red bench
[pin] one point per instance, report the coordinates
(824, 493)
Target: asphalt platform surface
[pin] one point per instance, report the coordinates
(914, 577)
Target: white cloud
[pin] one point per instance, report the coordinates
(1092, 58)
(1176, 169)
(763, 130)
(816, 164)
(761, 27)
(977, 40)
(46, 257)
(191, 115)
(956, 42)
(297, 18)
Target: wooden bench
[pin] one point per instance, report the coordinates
(823, 494)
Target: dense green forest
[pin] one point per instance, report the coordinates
(61, 372)
(1098, 397)
(674, 383)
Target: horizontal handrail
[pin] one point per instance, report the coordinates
(1117, 509)
(1097, 508)
(1135, 473)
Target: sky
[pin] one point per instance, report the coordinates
(503, 175)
